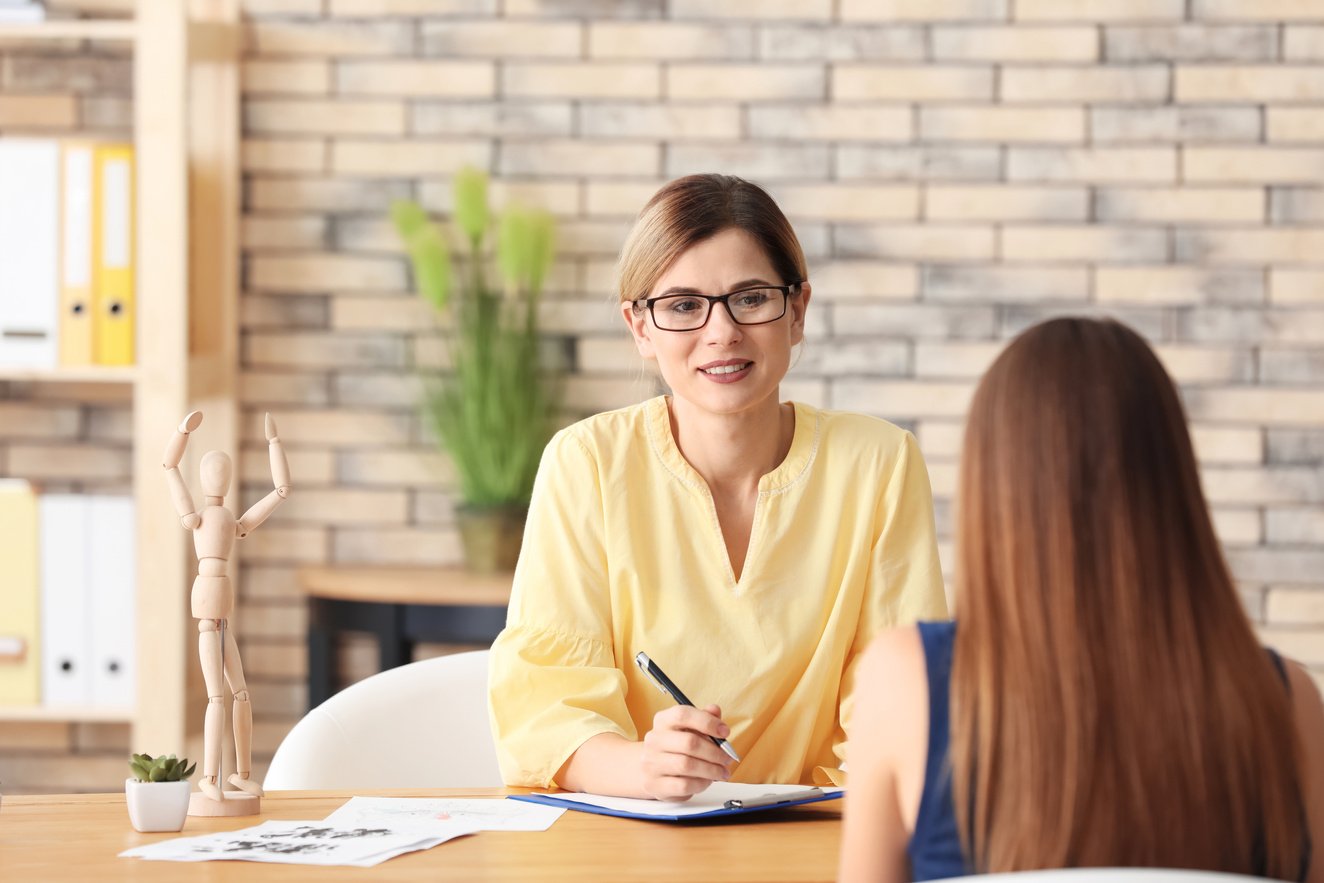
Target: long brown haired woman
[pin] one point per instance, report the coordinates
(1108, 702)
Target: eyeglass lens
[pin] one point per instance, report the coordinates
(686, 312)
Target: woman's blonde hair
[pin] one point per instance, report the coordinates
(1110, 702)
(694, 208)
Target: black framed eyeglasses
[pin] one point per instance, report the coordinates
(757, 305)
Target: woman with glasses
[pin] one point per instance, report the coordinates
(750, 547)
(1100, 698)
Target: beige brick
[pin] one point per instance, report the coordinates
(1002, 202)
(672, 122)
(923, 10)
(1289, 287)
(398, 545)
(1250, 245)
(255, 8)
(342, 427)
(1296, 206)
(379, 8)
(618, 198)
(1002, 124)
(581, 80)
(1142, 124)
(326, 272)
(379, 389)
(575, 236)
(323, 350)
(849, 42)
(1267, 407)
(1084, 243)
(1191, 42)
(29, 420)
(842, 203)
(38, 111)
(1180, 204)
(1015, 44)
(411, 468)
(576, 316)
(1296, 606)
(1300, 645)
(831, 122)
(401, 159)
(1295, 124)
(744, 82)
(574, 157)
(1294, 526)
(1225, 165)
(520, 119)
(1254, 83)
(900, 399)
(417, 79)
(763, 162)
(17, 736)
(593, 394)
(1196, 364)
(268, 660)
(406, 313)
(282, 232)
(1303, 42)
(326, 38)
(302, 77)
(283, 388)
(501, 39)
(669, 41)
(864, 280)
(61, 773)
(338, 117)
(1217, 324)
(918, 321)
(1177, 285)
(1005, 284)
(1095, 165)
(282, 311)
(310, 466)
(1257, 10)
(756, 10)
(923, 242)
(940, 440)
(872, 82)
(615, 356)
(324, 194)
(1276, 565)
(68, 461)
(284, 155)
(1237, 526)
(1255, 485)
(1224, 445)
(1122, 84)
(273, 543)
(921, 162)
(952, 361)
(1099, 10)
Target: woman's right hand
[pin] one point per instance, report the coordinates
(679, 760)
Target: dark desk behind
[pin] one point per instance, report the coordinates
(402, 606)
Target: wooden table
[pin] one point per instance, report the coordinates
(77, 838)
(402, 606)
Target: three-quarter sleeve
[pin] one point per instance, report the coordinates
(905, 578)
(553, 680)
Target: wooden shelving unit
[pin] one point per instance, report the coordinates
(186, 131)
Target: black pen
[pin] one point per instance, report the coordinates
(664, 684)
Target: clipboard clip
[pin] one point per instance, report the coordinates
(772, 799)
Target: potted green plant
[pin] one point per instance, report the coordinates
(495, 409)
(157, 793)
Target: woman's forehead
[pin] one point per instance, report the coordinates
(719, 262)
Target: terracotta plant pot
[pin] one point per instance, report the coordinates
(157, 806)
(491, 536)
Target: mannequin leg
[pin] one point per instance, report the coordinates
(209, 653)
(243, 719)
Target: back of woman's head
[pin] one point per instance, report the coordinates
(1111, 705)
(691, 209)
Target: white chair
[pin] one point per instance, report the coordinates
(422, 725)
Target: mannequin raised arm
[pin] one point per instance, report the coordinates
(188, 513)
(280, 477)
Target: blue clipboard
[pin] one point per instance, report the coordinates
(771, 801)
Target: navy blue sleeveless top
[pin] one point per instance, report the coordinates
(935, 846)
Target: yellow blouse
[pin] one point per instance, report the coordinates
(622, 552)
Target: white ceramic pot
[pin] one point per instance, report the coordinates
(157, 806)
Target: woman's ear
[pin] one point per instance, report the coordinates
(799, 305)
(640, 328)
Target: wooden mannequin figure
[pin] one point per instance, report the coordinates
(214, 532)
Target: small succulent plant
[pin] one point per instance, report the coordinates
(165, 768)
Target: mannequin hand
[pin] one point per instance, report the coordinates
(679, 759)
(271, 429)
(191, 520)
(191, 422)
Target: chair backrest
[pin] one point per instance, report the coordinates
(422, 725)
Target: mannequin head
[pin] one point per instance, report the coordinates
(215, 471)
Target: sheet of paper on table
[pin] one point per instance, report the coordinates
(481, 814)
(302, 843)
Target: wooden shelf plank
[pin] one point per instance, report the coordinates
(72, 714)
(407, 585)
(119, 30)
(114, 374)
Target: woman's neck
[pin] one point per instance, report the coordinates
(732, 451)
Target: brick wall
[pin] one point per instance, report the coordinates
(957, 170)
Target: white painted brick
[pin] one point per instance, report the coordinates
(572, 157)
(841, 122)
(899, 399)
(324, 117)
(378, 389)
(325, 38)
(411, 468)
(1303, 366)
(501, 39)
(317, 272)
(864, 280)
(670, 41)
(1003, 124)
(301, 77)
(1249, 325)
(1296, 606)
(580, 80)
(593, 394)
(557, 197)
(837, 202)
(1149, 323)
(402, 159)
(1303, 42)
(284, 155)
(755, 10)
(283, 388)
(1191, 42)
(517, 118)
(1151, 124)
(954, 361)
(757, 161)
(1229, 165)
(417, 79)
(277, 232)
(1223, 445)
(925, 83)
(1084, 243)
(1295, 124)
(323, 194)
(323, 350)
(1257, 10)
(853, 42)
(1290, 287)
(744, 82)
(1095, 165)
(859, 357)
(1250, 245)
(923, 10)
(1015, 44)
(381, 8)
(1216, 205)
(1003, 284)
(1177, 285)
(1294, 526)
(1276, 565)
(1228, 484)
(924, 162)
(926, 321)
(584, 9)
(618, 198)
(615, 356)
(915, 242)
(1005, 203)
(404, 313)
(1267, 407)
(1129, 83)
(1248, 83)
(671, 122)
(1099, 10)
